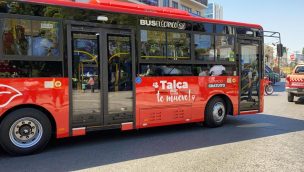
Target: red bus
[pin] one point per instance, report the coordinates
(68, 68)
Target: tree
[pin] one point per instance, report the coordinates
(303, 51)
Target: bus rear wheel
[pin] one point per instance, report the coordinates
(215, 113)
(25, 131)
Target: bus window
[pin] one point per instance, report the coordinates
(225, 48)
(17, 37)
(215, 70)
(166, 70)
(45, 38)
(204, 47)
(178, 46)
(23, 69)
(223, 29)
(203, 27)
(153, 44)
(31, 38)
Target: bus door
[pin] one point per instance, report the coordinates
(250, 72)
(119, 101)
(101, 77)
(85, 72)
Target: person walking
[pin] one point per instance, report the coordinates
(91, 83)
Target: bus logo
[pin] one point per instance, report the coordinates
(58, 84)
(163, 24)
(173, 93)
(8, 94)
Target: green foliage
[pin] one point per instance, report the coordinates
(51, 11)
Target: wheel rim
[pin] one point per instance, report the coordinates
(219, 112)
(269, 89)
(26, 132)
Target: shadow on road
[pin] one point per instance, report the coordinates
(102, 148)
(300, 101)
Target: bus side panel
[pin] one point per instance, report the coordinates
(48, 93)
(262, 91)
(174, 100)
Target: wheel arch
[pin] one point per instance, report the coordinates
(227, 100)
(40, 108)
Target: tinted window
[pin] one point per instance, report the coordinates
(165, 45)
(17, 38)
(204, 47)
(225, 48)
(165, 70)
(178, 46)
(153, 44)
(203, 27)
(65, 13)
(214, 70)
(45, 38)
(30, 38)
(19, 69)
(224, 29)
(300, 69)
(249, 32)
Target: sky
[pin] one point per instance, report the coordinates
(286, 17)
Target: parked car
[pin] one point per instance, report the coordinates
(295, 83)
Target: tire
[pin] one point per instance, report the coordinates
(215, 113)
(269, 89)
(290, 97)
(25, 131)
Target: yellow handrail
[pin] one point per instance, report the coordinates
(117, 55)
(93, 57)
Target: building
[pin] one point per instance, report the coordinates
(299, 58)
(195, 7)
(214, 11)
(269, 55)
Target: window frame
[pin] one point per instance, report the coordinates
(234, 47)
(27, 57)
(214, 35)
(166, 60)
(214, 48)
(192, 60)
(190, 46)
(1, 38)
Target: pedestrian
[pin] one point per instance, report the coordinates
(92, 83)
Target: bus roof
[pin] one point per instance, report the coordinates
(138, 9)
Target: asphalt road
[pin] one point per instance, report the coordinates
(272, 141)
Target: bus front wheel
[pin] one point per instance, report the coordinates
(25, 131)
(215, 113)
